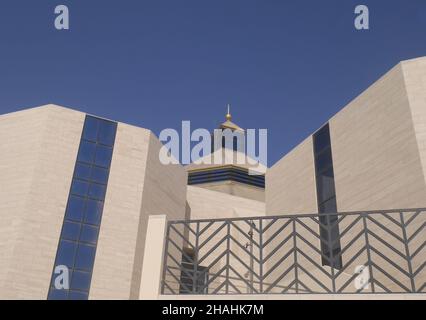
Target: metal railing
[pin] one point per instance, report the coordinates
(357, 252)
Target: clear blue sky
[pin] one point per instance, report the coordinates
(287, 66)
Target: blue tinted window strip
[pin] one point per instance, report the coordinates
(218, 180)
(234, 173)
(230, 170)
(226, 174)
(221, 170)
(83, 222)
(242, 173)
(225, 177)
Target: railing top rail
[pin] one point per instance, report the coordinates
(315, 256)
(294, 216)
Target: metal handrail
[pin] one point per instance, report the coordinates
(251, 253)
(302, 215)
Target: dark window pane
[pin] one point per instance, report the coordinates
(82, 171)
(87, 152)
(328, 221)
(329, 232)
(329, 206)
(93, 212)
(80, 281)
(89, 234)
(55, 294)
(70, 231)
(322, 139)
(79, 188)
(75, 208)
(90, 130)
(107, 132)
(103, 156)
(325, 184)
(76, 295)
(65, 254)
(97, 191)
(324, 160)
(85, 257)
(99, 175)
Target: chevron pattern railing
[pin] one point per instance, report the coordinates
(373, 252)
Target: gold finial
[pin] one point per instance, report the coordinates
(228, 115)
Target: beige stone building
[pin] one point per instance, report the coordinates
(88, 211)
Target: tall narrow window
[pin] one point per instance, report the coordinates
(78, 241)
(326, 198)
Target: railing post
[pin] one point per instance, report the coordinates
(407, 253)
(260, 256)
(195, 262)
(367, 246)
(251, 257)
(228, 251)
(331, 253)
(296, 272)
